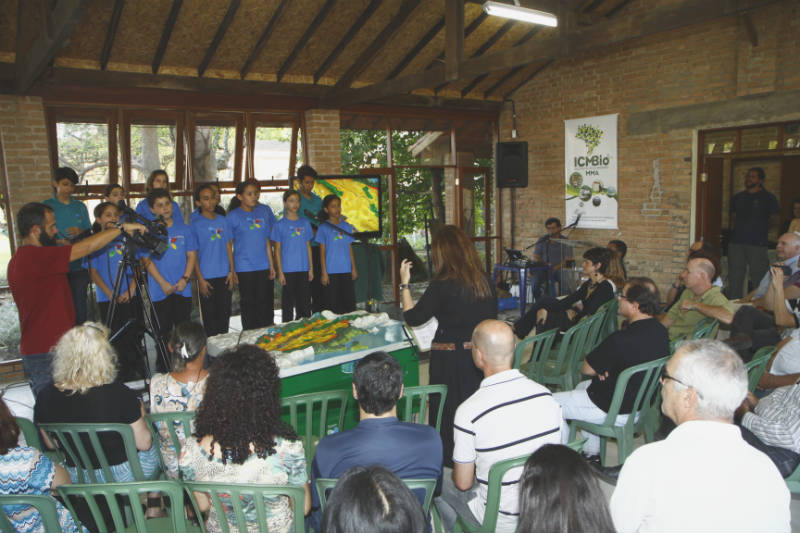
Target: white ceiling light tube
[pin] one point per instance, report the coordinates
(508, 11)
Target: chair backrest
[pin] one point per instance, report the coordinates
(571, 346)
(312, 415)
(44, 505)
(496, 473)
(31, 434)
(110, 504)
(705, 329)
(610, 320)
(229, 501)
(538, 345)
(178, 426)
(413, 403)
(650, 374)
(429, 485)
(595, 335)
(76, 441)
(577, 445)
(756, 365)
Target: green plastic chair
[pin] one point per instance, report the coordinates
(71, 439)
(172, 421)
(123, 500)
(537, 345)
(234, 496)
(624, 434)
(496, 473)
(34, 440)
(429, 485)
(44, 505)
(310, 415)
(413, 403)
(606, 326)
(559, 366)
(577, 445)
(706, 329)
(793, 481)
(757, 365)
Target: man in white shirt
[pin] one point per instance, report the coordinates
(696, 478)
(508, 416)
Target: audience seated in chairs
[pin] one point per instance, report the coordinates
(697, 249)
(412, 451)
(372, 500)
(643, 340)
(602, 266)
(183, 388)
(701, 299)
(25, 470)
(239, 436)
(697, 478)
(85, 391)
(783, 368)
(559, 492)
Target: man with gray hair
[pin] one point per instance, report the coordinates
(695, 479)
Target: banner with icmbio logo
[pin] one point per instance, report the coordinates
(590, 168)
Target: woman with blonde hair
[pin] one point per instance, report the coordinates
(459, 296)
(84, 390)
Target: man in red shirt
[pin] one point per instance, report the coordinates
(37, 275)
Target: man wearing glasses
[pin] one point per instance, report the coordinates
(645, 339)
(697, 478)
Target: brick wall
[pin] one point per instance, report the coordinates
(700, 64)
(25, 140)
(323, 140)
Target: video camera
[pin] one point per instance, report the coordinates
(155, 240)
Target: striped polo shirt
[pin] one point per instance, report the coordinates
(508, 416)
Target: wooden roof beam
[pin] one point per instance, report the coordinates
(57, 28)
(527, 79)
(262, 41)
(221, 30)
(369, 54)
(525, 38)
(480, 51)
(454, 38)
(345, 40)
(111, 33)
(467, 31)
(409, 57)
(304, 39)
(169, 25)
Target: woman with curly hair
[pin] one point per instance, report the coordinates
(459, 296)
(240, 438)
(85, 391)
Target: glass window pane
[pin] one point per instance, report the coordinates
(473, 198)
(362, 149)
(5, 247)
(152, 148)
(759, 138)
(83, 146)
(273, 150)
(214, 149)
(719, 142)
(791, 135)
(414, 147)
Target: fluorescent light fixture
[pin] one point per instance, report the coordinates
(509, 11)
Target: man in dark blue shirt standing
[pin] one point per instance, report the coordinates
(753, 211)
(410, 451)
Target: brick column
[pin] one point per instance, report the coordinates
(323, 141)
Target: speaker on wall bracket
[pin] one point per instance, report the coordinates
(512, 164)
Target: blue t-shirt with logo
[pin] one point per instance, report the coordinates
(212, 237)
(250, 231)
(172, 263)
(293, 236)
(106, 262)
(143, 208)
(68, 215)
(337, 247)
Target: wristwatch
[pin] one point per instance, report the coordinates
(404, 286)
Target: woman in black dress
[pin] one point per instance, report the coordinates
(459, 296)
(604, 271)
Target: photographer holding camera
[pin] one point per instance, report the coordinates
(37, 275)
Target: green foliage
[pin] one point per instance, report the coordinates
(84, 147)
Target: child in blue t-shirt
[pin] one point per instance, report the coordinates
(336, 255)
(251, 224)
(292, 237)
(214, 269)
(158, 179)
(103, 266)
(170, 273)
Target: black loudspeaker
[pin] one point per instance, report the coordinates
(512, 164)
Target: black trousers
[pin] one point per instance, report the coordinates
(171, 311)
(78, 286)
(340, 293)
(759, 326)
(785, 460)
(216, 309)
(556, 317)
(317, 290)
(126, 344)
(295, 296)
(256, 299)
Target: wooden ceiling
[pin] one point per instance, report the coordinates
(336, 53)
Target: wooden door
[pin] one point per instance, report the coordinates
(709, 204)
